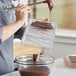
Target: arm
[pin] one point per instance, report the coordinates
(10, 29)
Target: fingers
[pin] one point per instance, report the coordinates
(21, 12)
(46, 20)
(20, 6)
(23, 8)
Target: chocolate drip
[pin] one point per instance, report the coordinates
(35, 58)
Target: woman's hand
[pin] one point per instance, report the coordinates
(22, 12)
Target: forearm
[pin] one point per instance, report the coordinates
(10, 29)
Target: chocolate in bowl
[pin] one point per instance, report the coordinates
(35, 71)
(27, 67)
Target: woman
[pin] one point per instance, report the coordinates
(8, 26)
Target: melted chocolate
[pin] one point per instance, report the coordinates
(35, 71)
(35, 58)
(42, 25)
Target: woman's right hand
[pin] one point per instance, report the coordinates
(22, 12)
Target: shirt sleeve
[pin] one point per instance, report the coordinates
(0, 35)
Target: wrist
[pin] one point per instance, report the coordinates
(21, 22)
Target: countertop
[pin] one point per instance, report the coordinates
(60, 69)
